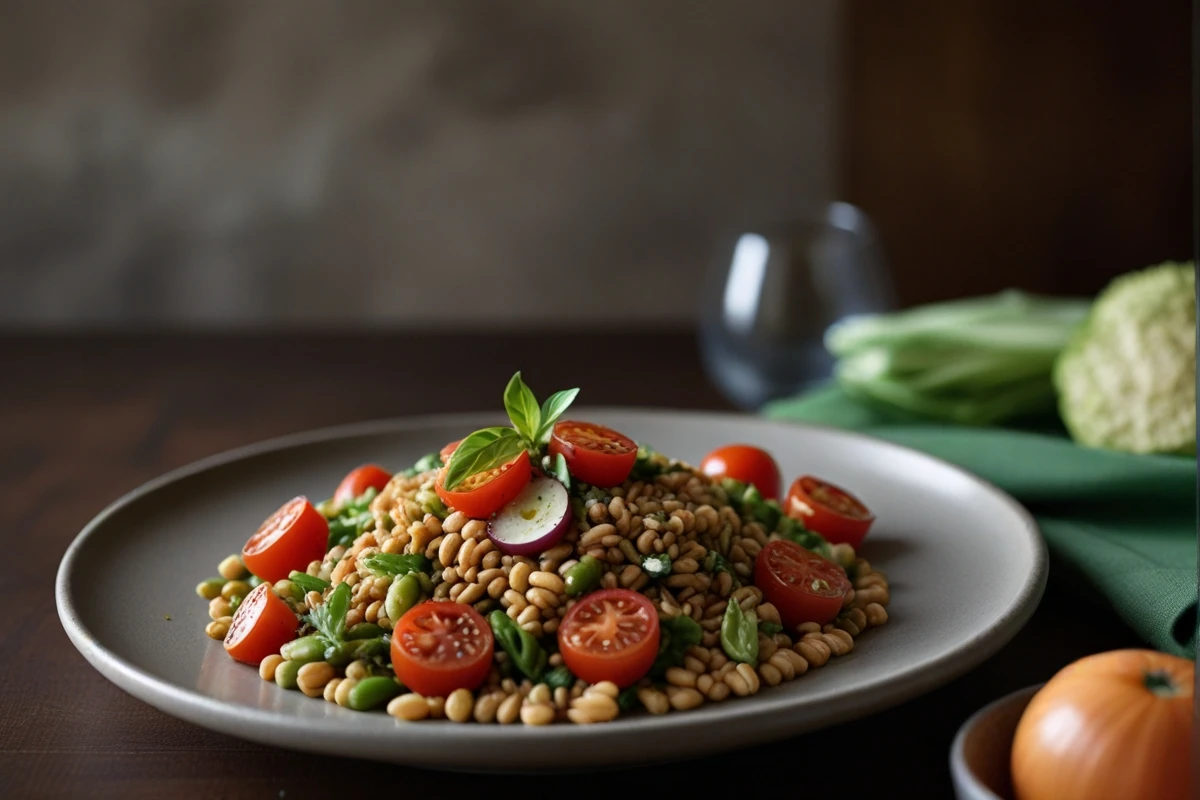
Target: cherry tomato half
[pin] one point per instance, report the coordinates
(745, 463)
(829, 510)
(802, 585)
(439, 646)
(262, 624)
(448, 450)
(360, 479)
(610, 635)
(481, 495)
(287, 540)
(594, 454)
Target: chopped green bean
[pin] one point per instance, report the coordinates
(739, 634)
(372, 692)
(364, 630)
(584, 575)
(304, 650)
(519, 643)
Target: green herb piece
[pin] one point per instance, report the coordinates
(329, 618)
(308, 583)
(364, 630)
(521, 646)
(559, 676)
(558, 468)
(739, 634)
(522, 408)
(551, 410)
(396, 564)
(769, 628)
(676, 635)
(483, 450)
(583, 576)
(627, 700)
(430, 503)
(493, 447)
(657, 566)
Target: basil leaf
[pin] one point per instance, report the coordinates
(676, 635)
(739, 634)
(552, 409)
(522, 408)
(483, 450)
(329, 618)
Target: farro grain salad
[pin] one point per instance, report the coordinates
(551, 571)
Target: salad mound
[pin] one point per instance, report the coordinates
(551, 571)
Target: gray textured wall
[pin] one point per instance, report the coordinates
(257, 161)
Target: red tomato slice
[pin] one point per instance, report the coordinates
(287, 540)
(745, 463)
(594, 454)
(448, 450)
(610, 635)
(481, 495)
(804, 586)
(360, 479)
(829, 510)
(262, 624)
(439, 646)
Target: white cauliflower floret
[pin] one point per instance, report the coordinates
(1127, 380)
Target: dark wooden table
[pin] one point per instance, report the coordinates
(85, 419)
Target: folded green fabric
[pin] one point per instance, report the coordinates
(1126, 524)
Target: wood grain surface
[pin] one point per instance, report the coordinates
(85, 419)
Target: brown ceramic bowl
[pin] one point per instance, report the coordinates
(979, 757)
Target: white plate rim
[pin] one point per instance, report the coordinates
(259, 725)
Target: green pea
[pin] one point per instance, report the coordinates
(426, 585)
(210, 588)
(583, 576)
(304, 650)
(364, 630)
(401, 596)
(373, 692)
(285, 674)
(234, 602)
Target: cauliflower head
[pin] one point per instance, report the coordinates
(1127, 378)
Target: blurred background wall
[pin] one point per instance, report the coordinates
(525, 162)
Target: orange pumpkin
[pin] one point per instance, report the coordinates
(1112, 725)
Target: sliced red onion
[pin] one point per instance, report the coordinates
(533, 521)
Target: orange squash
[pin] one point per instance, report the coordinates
(1111, 725)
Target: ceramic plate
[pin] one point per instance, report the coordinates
(966, 565)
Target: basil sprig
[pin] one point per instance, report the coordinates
(494, 447)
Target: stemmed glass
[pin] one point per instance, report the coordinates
(770, 294)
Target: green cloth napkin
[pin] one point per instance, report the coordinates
(1126, 524)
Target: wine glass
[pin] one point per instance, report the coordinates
(771, 293)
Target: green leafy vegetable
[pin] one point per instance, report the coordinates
(976, 361)
(627, 700)
(677, 634)
(521, 646)
(769, 628)
(532, 424)
(552, 409)
(522, 408)
(426, 463)
(396, 564)
(483, 450)
(308, 583)
(559, 677)
(739, 634)
(1127, 379)
(329, 618)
